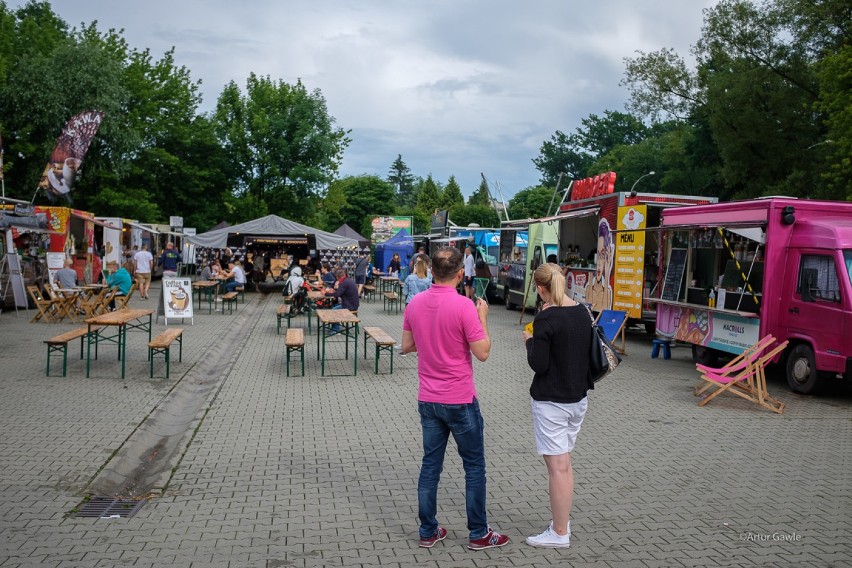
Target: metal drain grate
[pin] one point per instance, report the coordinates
(109, 508)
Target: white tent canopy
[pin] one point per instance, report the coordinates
(270, 225)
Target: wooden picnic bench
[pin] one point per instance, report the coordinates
(295, 341)
(60, 343)
(161, 345)
(369, 292)
(384, 342)
(230, 298)
(390, 302)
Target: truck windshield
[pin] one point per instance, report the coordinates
(847, 258)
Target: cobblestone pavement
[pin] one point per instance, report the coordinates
(322, 471)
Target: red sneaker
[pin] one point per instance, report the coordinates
(440, 534)
(490, 540)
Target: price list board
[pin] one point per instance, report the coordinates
(629, 264)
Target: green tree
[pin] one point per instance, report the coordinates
(281, 141)
(575, 155)
(429, 195)
(835, 103)
(452, 195)
(482, 215)
(530, 203)
(365, 196)
(330, 215)
(756, 88)
(480, 196)
(401, 178)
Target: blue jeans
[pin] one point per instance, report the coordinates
(465, 423)
(335, 327)
(232, 285)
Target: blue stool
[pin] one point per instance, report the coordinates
(655, 350)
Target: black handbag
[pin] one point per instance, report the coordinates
(603, 358)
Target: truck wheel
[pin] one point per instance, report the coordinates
(651, 327)
(802, 375)
(705, 355)
(508, 302)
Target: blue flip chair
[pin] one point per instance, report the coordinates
(613, 323)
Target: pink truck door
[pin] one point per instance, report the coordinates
(811, 311)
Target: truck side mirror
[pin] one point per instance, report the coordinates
(809, 278)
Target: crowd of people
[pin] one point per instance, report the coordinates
(446, 330)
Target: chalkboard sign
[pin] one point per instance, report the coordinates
(674, 274)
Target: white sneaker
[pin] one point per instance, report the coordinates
(549, 538)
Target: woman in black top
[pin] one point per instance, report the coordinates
(558, 353)
(395, 264)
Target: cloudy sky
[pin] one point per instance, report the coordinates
(456, 87)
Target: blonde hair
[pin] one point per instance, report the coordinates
(549, 275)
(420, 267)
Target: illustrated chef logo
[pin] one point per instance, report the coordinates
(632, 219)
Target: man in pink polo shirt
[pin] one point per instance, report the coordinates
(445, 328)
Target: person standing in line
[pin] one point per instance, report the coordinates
(445, 329)
(361, 264)
(469, 272)
(416, 282)
(143, 263)
(558, 354)
(421, 253)
(169, 260)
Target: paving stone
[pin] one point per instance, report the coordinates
(322, 471)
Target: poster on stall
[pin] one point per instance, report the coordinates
(629, 264)
(176, 299)
(55, 261)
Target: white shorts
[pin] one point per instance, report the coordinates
(556, 425)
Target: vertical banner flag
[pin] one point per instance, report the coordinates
(60, 172)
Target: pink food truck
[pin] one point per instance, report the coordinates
(735, 272)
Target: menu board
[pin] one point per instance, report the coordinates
(674, 274)
(629, 264)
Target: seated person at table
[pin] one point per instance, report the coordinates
(66, 277)
(117, 276)
(327, 279)
(346, 294)
(295, 288)
(239, 276)
(207, 271)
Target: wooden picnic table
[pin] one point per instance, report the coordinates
(70, 305)
(388, 283)
(348, 323)
(123, 320)
(207, 287)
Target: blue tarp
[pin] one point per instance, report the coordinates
(401, 244)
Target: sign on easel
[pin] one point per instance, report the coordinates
(176, 300)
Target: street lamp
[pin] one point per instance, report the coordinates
(633, 188)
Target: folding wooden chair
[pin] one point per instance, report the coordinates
(121, 301)
(748, 383)
(60, 303)
(735, 365)
(93, 302)
(47, 308)
(613, 323)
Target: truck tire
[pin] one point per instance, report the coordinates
(508, 301)
(705, 355)
(802, 374)
(651, 327)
